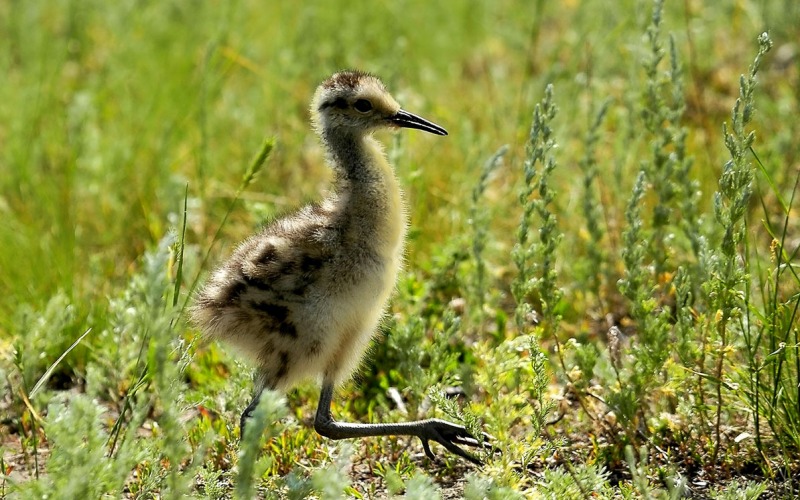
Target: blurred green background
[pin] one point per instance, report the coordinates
(112, 114)
(109, 109)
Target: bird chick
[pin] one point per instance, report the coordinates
(302, 298)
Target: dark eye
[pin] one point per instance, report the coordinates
(362, 105)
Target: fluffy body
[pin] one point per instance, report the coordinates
(303, 297)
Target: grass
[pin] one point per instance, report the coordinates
(602, 257)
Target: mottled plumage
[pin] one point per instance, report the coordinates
(303, 297)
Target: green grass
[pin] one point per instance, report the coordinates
(603, 252)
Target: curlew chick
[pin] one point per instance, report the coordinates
(303, 297)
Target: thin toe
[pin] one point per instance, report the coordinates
(427, 448)
(455, 450)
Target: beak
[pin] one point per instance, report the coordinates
(409, 120)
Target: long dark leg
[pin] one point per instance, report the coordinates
(248, 412)
(260, 383)
(441, 431)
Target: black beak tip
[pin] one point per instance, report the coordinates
(409, 120)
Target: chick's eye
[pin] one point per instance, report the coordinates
(362, 105)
